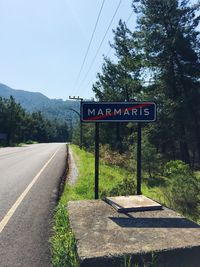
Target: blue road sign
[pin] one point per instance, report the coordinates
(118, 111)
(3, 136)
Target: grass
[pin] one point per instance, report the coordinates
(154, 193)
(64, 252)
(29, 142)
(109, 177)
(150, 261)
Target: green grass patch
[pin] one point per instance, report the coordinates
(110, 177)
(64, 252)
(154, 193)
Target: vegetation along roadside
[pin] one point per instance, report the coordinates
(118, 180)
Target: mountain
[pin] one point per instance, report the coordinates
(51, 108)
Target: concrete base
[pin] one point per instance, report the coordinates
(105, 237)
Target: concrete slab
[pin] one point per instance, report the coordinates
(105, 236)
(133, 203)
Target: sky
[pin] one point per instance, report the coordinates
(43, 43)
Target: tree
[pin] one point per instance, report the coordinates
(183, 188)
(119, 82)
(13, 121)
(169, 44)
(22, 127)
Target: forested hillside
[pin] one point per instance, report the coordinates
(16, 125)
(51, 108)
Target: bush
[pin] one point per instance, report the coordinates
(151, 159)
(183, 190)
(114, 158)
(155, 181)
(125, 187)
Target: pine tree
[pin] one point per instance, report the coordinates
(169, 43)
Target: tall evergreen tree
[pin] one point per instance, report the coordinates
(169, 43)
(119, 82)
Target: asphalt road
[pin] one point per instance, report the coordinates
(29, 180)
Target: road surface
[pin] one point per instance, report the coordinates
(29, 179)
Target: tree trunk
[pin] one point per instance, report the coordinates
(185, 156)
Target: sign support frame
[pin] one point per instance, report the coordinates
(102, 118)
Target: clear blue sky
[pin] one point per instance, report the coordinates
(43, 43)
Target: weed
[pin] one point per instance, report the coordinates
(142, 261)
(64, 252)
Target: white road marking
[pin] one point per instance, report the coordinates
(12, 210)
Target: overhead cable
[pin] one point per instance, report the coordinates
(98, 49)
(87, 51)
(107, 54)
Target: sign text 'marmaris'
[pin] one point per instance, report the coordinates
(118, 112)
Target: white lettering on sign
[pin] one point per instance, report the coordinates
(100, 112)
(108, 111)
(117, 112)
(146, 111)
(134, 111)
(126, 112)
(91, 112)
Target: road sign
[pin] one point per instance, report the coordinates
(3, 136)
(118, 111)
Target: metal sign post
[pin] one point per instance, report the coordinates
(139, 154)
(96, 160)
(81, 135)
(118, 112)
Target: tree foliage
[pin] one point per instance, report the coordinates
(20, 126)
(158, 61)
(183, 188)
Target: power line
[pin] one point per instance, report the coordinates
(127, 20)
(98, 49)
(129, 17)
(95, 26)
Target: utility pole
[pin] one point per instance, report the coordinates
(81, 126)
